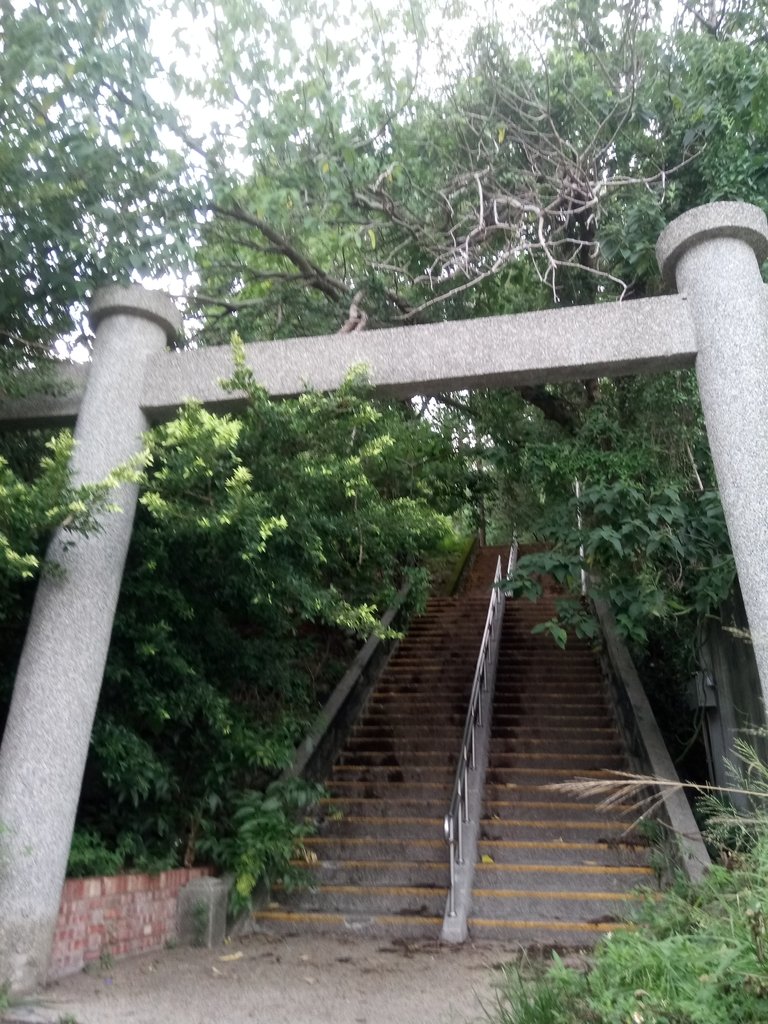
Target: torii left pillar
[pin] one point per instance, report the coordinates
(46, 738)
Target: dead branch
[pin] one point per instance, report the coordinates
(357, 319)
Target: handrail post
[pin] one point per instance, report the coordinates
(459, 852)
(577, 492)
(472, 759)
(449, 830)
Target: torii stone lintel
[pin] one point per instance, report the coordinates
(548, 346)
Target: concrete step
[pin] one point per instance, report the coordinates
(410, 680)
(391, 827)
(555, 830)
(553, 727)
(416, 759)
(415, 692)
(400, 926)
(389, 730)
(436, 663)
(428, 674)
(573, 853)
(555, 722)
(535, 711)
(404, 746)
(431, 874)
(542, 775)
(518, 682)
(394, 715)
(553, 905)
(413, 775)
(405, 900)
(350, 789)
(556, 700)
(542, 655)
(527, 934)
(543, 793)
(517, 742)
(384, 807)
(548, 810)
(554, 877)
(430, 703)
(540, 660)
(336, 848)
(446, 644)
(577, 762)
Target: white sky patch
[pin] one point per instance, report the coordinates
(185, 44)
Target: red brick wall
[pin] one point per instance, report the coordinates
(116, 916)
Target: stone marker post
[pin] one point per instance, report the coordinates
(46, 738)
(713, 255)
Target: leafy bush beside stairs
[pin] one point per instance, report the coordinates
(699, 955)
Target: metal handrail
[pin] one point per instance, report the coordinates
(458, 812)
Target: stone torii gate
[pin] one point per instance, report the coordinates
(717, 321)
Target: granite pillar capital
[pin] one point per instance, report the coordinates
(704, 224)
(135, 301)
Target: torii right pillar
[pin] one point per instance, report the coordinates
(713, 255)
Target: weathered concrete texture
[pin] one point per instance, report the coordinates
(48, 731)
(716, 220)
(202, 912)
(713, 253)
(55, 406)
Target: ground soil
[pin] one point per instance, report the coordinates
(293, 980)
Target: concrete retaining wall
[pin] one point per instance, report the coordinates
(116, 916)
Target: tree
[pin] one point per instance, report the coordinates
(537, 168)
(92, 190)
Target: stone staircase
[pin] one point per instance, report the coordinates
(382, 864)
(552, 869)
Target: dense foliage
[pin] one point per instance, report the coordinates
(647, 515)
(90, 189)
(266, 547)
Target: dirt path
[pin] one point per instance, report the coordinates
(298, 980)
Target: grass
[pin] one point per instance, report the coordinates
(697, 956)
(698, 953)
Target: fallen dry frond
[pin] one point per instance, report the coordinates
(632, 788)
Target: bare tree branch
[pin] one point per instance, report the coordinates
(314, 275)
